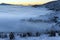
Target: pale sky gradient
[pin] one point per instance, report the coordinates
(25, 2)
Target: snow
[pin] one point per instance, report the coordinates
(42, 37)
(3, 39)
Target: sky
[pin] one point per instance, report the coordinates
(25, 2)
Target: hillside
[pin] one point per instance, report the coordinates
(54, 5)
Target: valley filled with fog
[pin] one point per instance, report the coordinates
(33, 22)
(10, 18)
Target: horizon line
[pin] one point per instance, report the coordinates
(26, 3)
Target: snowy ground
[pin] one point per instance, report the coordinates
(38, 38)
(42, 37)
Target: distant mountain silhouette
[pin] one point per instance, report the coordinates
(54, 5)
(5, 4)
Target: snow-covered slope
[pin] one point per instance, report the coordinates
(42, 37)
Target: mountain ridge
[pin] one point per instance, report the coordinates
(53, 5)
(5, 4)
